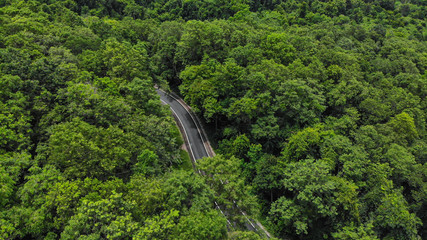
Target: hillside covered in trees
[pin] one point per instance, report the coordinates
(317, 110)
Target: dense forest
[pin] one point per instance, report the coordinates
(317, 110)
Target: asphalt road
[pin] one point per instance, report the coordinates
(192, 133)
(196, 144)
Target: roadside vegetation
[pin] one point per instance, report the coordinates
(317, 108)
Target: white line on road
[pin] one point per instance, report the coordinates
(185, 132)
(207, 152)
(194, 120)
(223, 213)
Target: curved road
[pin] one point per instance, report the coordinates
(192, 134)
(195, 142)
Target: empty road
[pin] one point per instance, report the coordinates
(194, 139)
(192, 133)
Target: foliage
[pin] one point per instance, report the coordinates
(317, 108)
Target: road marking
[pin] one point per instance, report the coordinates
(244, 214)
(207, 153)
(195, 122)
(185, 132)
(191, 150)
(223, 214)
